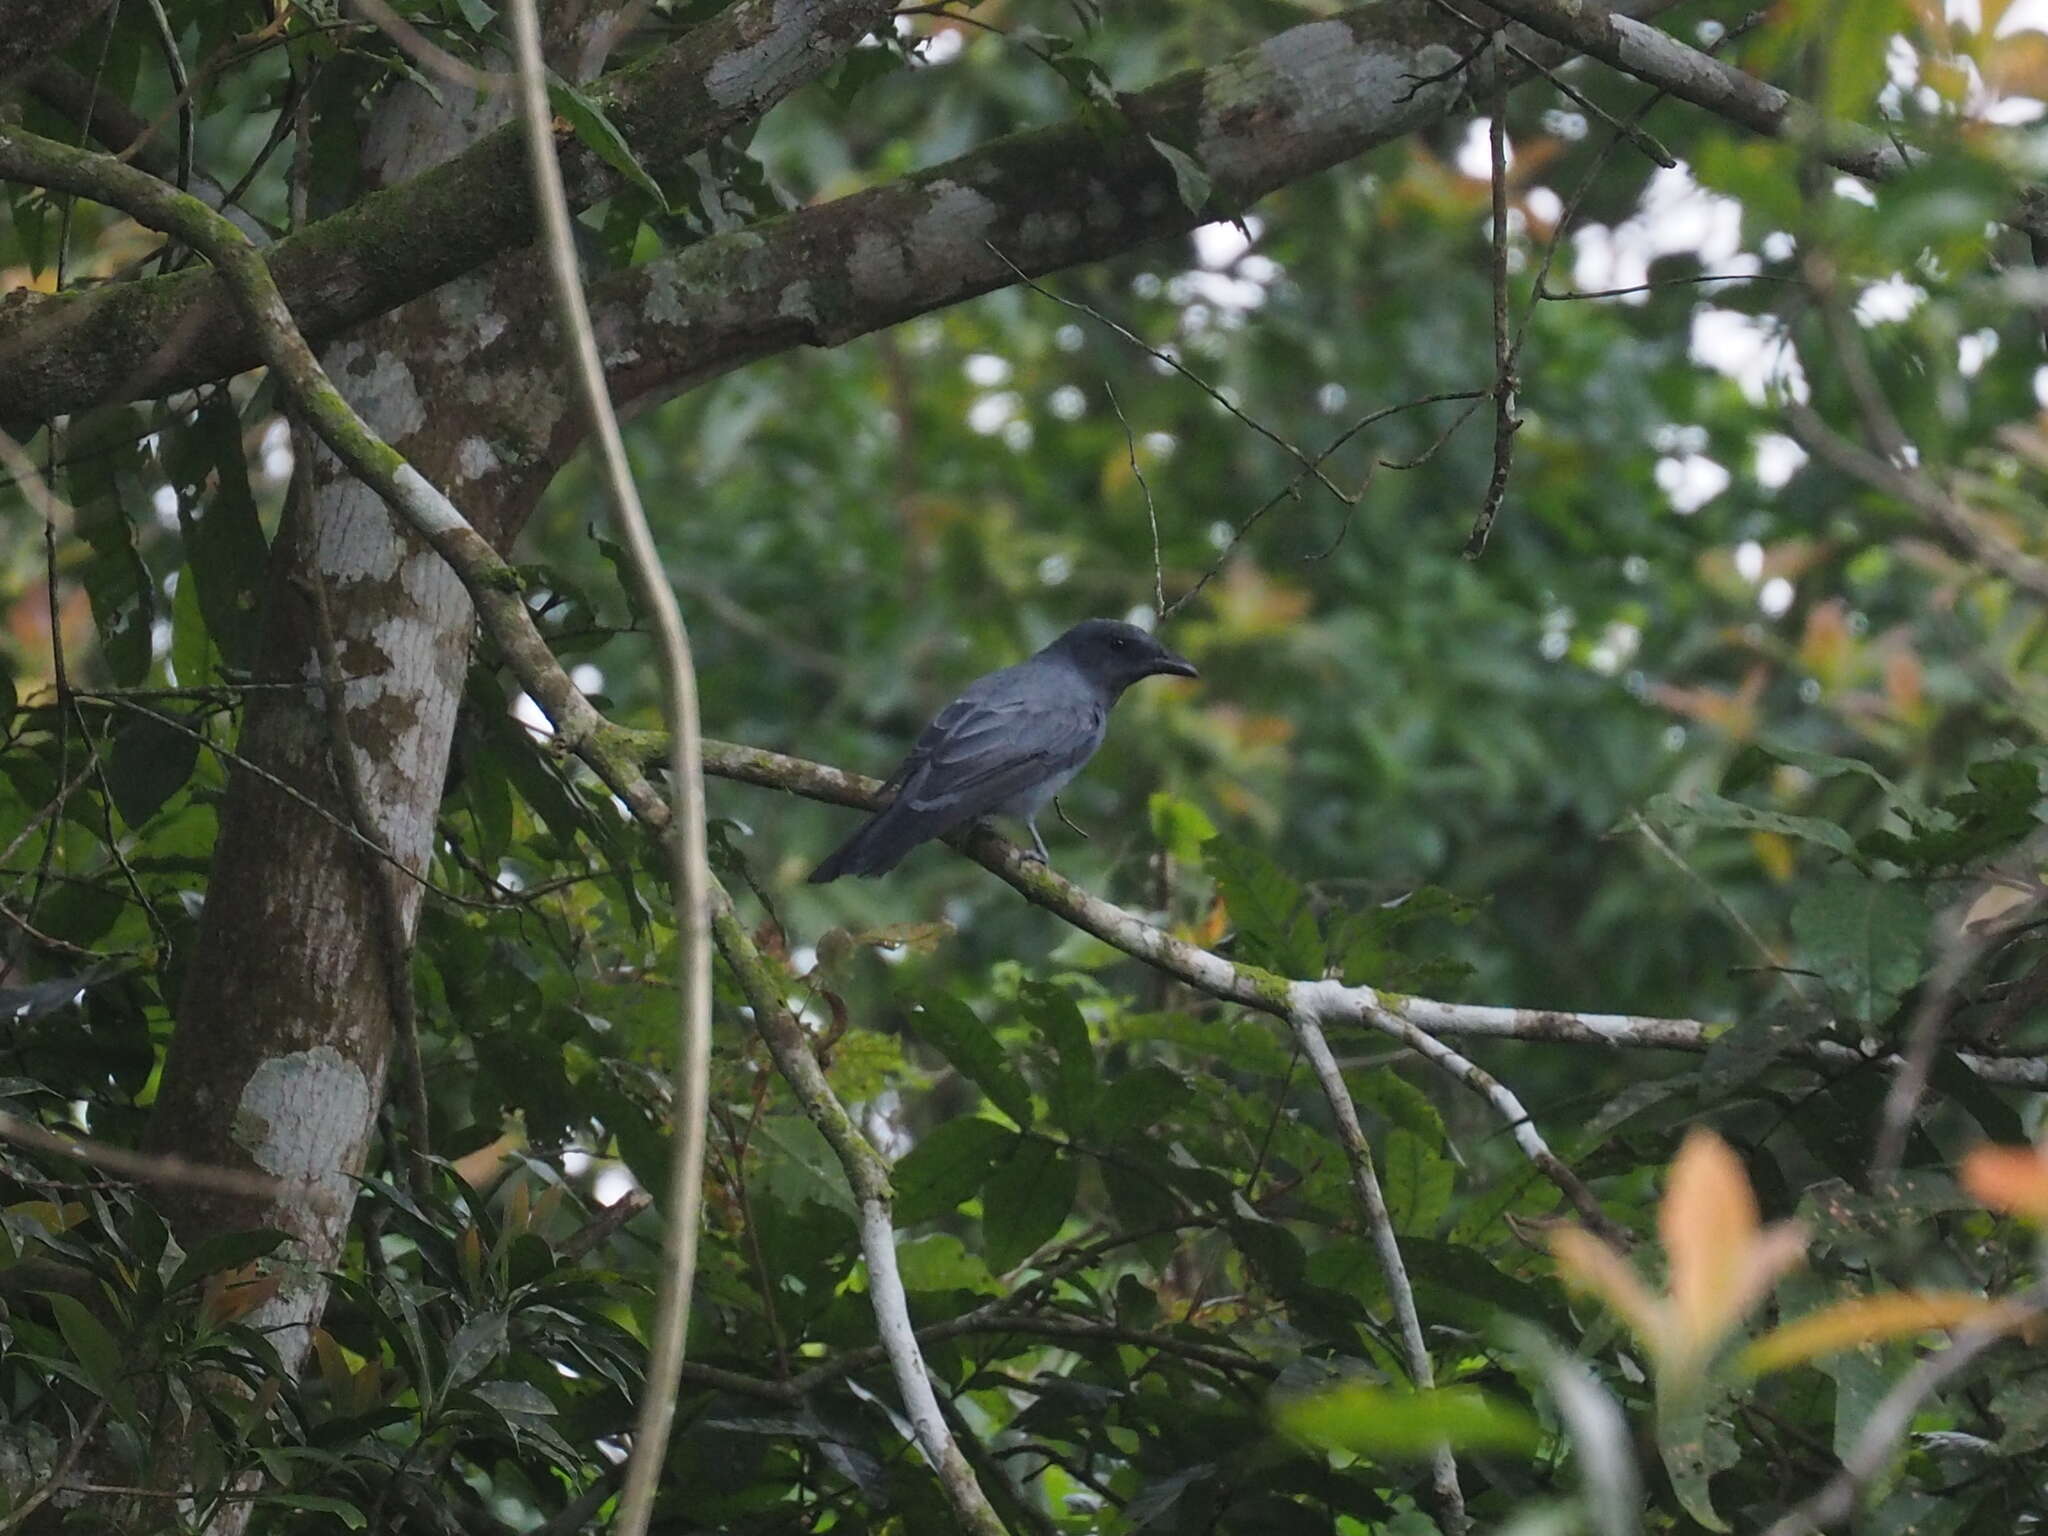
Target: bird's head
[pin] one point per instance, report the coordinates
(1115, 655)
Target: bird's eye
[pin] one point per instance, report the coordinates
(1119, 642)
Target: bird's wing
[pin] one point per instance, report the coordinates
(1000, 738)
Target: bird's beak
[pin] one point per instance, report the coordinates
(1173, 664)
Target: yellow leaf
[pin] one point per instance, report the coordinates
(334, 1368)
(2009, 1179)
(1774, 852)
(1590, 1265)
(1997, 902)
(1865, 1320)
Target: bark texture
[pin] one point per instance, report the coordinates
(145, 338)
(284, 1029)
(30, 29)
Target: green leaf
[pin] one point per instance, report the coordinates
(1179, 826)
(953, 1029)
(2002, 804)
(1398, 1101)
(151, 761)
(510, 1397)
(477, 1343)
(320, 1503)
(1074, 1080)
(947, 1166)
(1275, 927)
(1866, 938)
(802, 1165)
(1190, 180)
(860, 69)
(117, 583)
(95, 1350)
(1394, 1423)
(1139, 1100)
(1416, 1180)
(1025, 1202)
(941, 1262)
(225, 552)
(1709, 810)
(1691, 1451)
(602, 139)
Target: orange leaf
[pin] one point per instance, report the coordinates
(1865, 1320)
(2009, 1179)
(230, 1294)
(1708, 1222)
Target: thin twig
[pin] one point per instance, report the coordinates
(690, 865)
(1167, 359)
(1292, 489)
(1505, 422)
(1308, 1033)
(435, 60)
(1151, 511)
(156, 1167)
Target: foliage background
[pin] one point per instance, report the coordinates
(1678, 603)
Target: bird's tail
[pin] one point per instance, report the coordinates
(875, 849)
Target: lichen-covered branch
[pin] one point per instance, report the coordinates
(1680, 70)
(1304, 100)
(133, 340)
(1308, 98)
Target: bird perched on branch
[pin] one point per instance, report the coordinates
(1008, 744)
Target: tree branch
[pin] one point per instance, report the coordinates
(1308, 98)
(32, 29)
(865, 1171)
(1252, 988)
(67, 352)
(1659, 59)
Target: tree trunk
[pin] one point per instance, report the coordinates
(285, 1027)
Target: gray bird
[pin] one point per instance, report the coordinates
(1008, 744)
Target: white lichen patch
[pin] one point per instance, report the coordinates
(297, 1110)
(1312, 83)
(475, 458)
(356, 541)
(474, 322)
(952, 233)
(664, 304)
(876, 265)
(748, 73)
(796, 302)
(380, 386)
